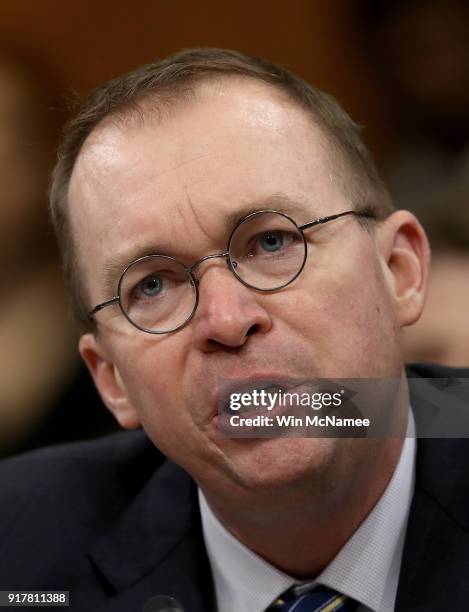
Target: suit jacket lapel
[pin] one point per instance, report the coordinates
(433, 574)
(156, 547)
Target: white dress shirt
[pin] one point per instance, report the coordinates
(366, 568)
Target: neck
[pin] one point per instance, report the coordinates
(314, 526)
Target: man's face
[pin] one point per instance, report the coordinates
(169, 187)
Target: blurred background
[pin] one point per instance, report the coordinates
(400, 68)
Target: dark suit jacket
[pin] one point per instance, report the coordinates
(114, 523)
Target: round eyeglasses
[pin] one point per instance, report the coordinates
(266, 251)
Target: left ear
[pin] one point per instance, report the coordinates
(406, 257)
(108, 381)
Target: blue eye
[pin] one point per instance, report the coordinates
(272, 241)
(151, 286)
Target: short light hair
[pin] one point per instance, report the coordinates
(172, 78)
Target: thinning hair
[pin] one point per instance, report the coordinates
(172, 79)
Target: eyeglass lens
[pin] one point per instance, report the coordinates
(267, 251)
(157, 294)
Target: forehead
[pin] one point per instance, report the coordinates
(158, 180)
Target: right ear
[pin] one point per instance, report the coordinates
(108, 381)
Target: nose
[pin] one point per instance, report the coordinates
(228, 312)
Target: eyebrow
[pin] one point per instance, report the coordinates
(278, 201)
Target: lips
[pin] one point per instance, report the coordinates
(259, 396)
(269, 397)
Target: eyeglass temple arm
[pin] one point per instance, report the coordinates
(322, 220)
(99, 307)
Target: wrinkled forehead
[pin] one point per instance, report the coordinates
(173, 182)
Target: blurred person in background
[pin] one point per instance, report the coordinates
(419, 53)
(44, 393)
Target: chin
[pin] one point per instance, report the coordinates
(279, 463)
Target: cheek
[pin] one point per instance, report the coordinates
(156, 383)
(347, 318)
(152, 371)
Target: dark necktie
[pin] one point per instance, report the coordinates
(320, 599)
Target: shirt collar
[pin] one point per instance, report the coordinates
(366, 568)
